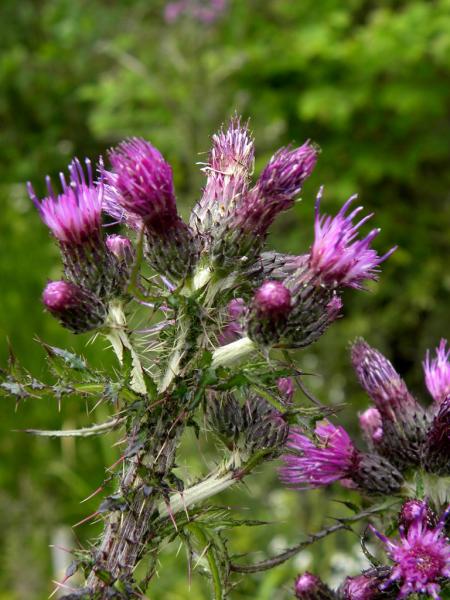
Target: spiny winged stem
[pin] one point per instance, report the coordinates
(126, 534)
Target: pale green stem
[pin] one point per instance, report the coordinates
(230, 354)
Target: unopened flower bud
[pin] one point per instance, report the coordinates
(374, 474)
(412, 510)
(286, 389)
(371, 427)
(121, 247)
(269, 312)
(269, 431)
(364, 587)
(233, 328)
(310, 587)
(77, 309)
(224, 415)
(404, 421)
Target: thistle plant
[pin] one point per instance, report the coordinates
(222, 314)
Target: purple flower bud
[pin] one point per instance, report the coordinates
(269, 311)
(121, 247)
(421, 557)
(437, 372)
(436, 451)
(337, 257)
(77, 309)
(228, 173)
(74, 216)
(286, 388)
(332, 456)
(273, 298)
(412, 510)
(224, 415)
(275, 191)
(268, 431)
(361, 587)
(371, 426)
(404, 422)
(310, 587)
(233, 330)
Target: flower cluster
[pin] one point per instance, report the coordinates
(400, 433)
(420, 559)
(289, 300)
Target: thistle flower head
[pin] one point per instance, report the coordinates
(74, 216)
(371, 425)
(310, 587)
(338, 258)
(276, 189)
(437, 372)
(228, 172)
(140, 184)
(330, 457)
(76, 308)
(269, 312)
(421, 557)
(233, 329)
(436, 450)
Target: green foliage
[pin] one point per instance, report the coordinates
(366, 80)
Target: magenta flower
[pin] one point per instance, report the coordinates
(310, 464)
(273, 298)
(436, 451)
(338, 258)
(276, 189)
(121, 247)
(74, 216)
(140, 184)
(310, 587)
(421, 557)
(437, 372)
(228, 172)
(206, 12)
(77, 309)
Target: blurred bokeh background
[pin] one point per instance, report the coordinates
(366, 80)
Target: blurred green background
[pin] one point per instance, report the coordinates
(367, 80)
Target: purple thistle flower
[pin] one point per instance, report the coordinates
(313, 464)
(141, 184)
(276, 189)
(437, 372)
(310, 587)
(421, 557)
(230, 166)
(205, 14)
(77, 309)
(338, 258)
(74, 216)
